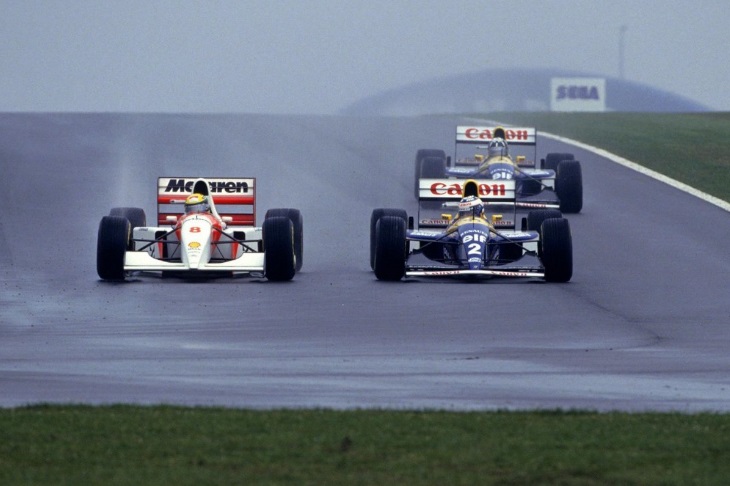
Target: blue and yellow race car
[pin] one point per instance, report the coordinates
(471, 244)
(508, 154)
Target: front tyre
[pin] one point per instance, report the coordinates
(298, 221)
(112, 242)
(390, 248)
(569, 186)
(279, 258)
(557, 250)
(374, 218)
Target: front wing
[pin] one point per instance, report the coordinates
(141, 261)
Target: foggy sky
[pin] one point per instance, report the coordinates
(318, 56)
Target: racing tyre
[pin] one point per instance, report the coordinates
(390, 248)
(377, 214)
(135, 216)
(111, 244)
(569, 186)
(552, 160)
(433, 168)
(557, 250)
(536, 217)
(279, 258)
(535, 220)
(296, 218)
(420, 156)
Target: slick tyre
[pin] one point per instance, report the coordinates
(135, 216)
(298, 221)
(552, 160)
(569, 186)
(111, 244)
(557, 250)
(536, 218)
(374, 218)
(433, 168)
(390, 248)
(420, 156)
(279, 258)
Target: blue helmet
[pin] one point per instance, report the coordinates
(497, 148)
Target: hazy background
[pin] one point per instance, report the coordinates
(318, 56)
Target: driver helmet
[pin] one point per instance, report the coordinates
(471, 206)
(497, 148)
(197, 203)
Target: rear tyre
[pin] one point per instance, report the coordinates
(112, 242)
(376, 215)
(279, 258)
(557, 250)
(536, 217)
(420, 156)
(569, 186)
(135, 216)
(296, 218)
(552, 160)
(433, 168)
(390, 248)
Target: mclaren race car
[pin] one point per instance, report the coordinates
(471, 243)
(509, 154)
(205, 228)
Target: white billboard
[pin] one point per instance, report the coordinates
(578, 94)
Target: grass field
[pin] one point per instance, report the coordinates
(692, 148)
(120, 445)
(126, 445)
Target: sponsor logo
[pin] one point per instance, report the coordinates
(577, 93)
(434, 222)
(194, 245)
(442, 189)
(475, 133)
(230, 187)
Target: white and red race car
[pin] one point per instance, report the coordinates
(222, 242)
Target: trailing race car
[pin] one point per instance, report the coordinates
(558, 183)
(471, 245)
(193, 239)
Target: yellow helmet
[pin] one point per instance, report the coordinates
(197, 203)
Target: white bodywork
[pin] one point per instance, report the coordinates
(201, 242)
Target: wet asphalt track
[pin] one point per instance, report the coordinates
(644, 324)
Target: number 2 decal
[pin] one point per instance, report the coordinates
(475, 249)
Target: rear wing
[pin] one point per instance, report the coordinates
(453, 189)
(513, 135)
(440, 197)
(234, 199)
(522, 142)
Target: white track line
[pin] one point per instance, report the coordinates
(643, 170)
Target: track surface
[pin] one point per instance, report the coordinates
(643, 325)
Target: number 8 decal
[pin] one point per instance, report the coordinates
(195, 229)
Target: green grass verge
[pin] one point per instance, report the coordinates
(169, 445)
(691, 148)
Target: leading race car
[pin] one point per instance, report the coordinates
(471, 245)
(192, 238)
(509, 154)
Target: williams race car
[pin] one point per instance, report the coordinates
(192, 238)
(471, 245)
(557, 183)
